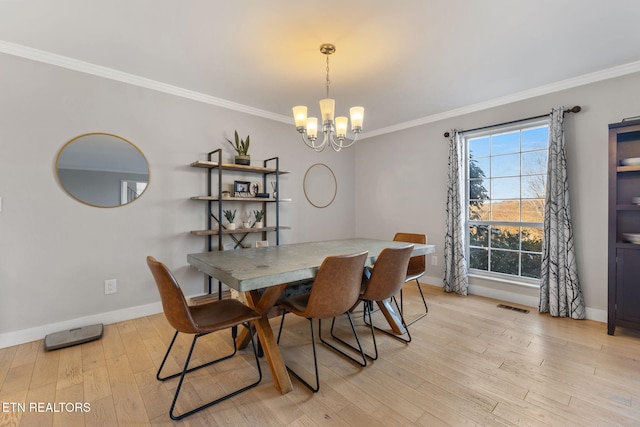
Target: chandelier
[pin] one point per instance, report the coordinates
(334, 132)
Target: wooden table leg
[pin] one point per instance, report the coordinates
(263, 304)
(394, 319)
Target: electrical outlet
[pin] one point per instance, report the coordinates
(434, 260)
(110, 286)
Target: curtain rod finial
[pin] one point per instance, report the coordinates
(447, 134)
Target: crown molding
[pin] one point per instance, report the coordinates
(582, 80)
(112, 74)
(132, 79)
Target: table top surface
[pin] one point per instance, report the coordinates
(256, 268)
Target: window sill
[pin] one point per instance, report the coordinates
(534, 283)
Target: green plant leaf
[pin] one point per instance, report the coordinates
(230, 215)
(240, 146)
(258, 214)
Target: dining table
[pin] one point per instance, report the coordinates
(262, 274)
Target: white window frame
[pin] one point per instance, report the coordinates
(486, 274)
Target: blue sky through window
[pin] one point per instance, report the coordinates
(504, 157)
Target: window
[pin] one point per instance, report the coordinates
(506, 181)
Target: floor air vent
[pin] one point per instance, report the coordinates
(508, 307)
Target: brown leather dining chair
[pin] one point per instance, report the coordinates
(416, 269)
(387, 278)
(199, 320)
(334, 291)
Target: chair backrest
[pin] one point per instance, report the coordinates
(174, 304)
(417, 264)
(389, 273)
(336, 287)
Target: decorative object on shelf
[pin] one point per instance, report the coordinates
(259, 216)
(242, 189)
(242, 149)
(245, 218)
(274, 187)
(230, 215)
(632, 238)
(262, 195)
(256, 188)
(632, 161)
(226, 194)
(334, 132)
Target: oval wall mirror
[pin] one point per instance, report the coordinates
(320, 185)
(102, 170)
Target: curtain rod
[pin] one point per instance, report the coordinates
(575, 109)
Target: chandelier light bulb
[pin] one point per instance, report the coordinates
(312, 128)
(300, 115)
(342, 123)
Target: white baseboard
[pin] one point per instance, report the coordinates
(9, 339)
(595, 314)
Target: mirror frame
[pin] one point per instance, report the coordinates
(66, 190)
(306, 191)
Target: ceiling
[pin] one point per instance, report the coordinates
(406, 61)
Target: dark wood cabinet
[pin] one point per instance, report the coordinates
(624, 226)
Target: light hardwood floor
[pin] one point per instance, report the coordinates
(470, 363)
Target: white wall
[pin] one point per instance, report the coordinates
(400, 180)
(55, 252)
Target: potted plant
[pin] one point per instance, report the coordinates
(259, 216)
(242, 149)
(230, 215)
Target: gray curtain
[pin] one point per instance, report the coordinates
(560, 293)
(455, 262)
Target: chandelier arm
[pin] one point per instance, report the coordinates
(325, 139)
(339, 144)
(334, 144)
(350, 142)
(312, 143)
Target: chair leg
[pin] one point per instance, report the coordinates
(398, 337)
(164, 359)
(359, 349)
(315, 358)
(185, 370)
(254, 331)
(424, 301)
(281, 323)
(367, 309)
(177, 374)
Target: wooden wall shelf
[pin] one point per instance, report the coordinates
(238, 168)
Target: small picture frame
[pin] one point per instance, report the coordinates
(242, 188)
(256, 188)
